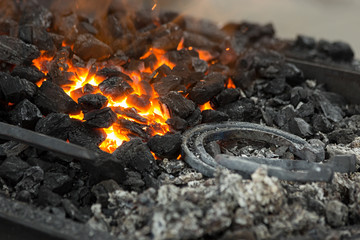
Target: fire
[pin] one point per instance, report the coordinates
(206, 106)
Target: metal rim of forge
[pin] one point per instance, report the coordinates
(194, 140)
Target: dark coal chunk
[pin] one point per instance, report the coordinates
(227, 96)
(130, 112)
(136, 155)
(321, 123)
(195, 118)
(167, 146)
(275, 86)
(15, 51)
(298, 94)
(305, 42)
(212, 85)
(209, 116)
(167, 84)
(31, 180)
(87, 47)
(338, 51)
(330, 110)
(36, 15)
(137, 129)
(111, 72)
(86, 89)
(141, 102)
(178, 105)
(343, 136)
(243, 109)
(102, 191)
(14, 89)
(199, 65)
(167, 37)
(30, 73)
(197, 41)
(204, 27)
(52, 98)
(92, 101)
(292, 74)
(284, 115)
(37, 36)
(299, 127)
(12, 169)
(59, 183)
(55, 124)
(46, 197)
(73, 212)
(116, 87)
(101, 118)
(244, 79)
(305, 109)
(85, 27)
(177, 123)
(83, 135)
(25, 114)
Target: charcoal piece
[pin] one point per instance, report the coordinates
(166, 146)
(243, 109)
(167, 84)
(298, 94)
(56, 125)
(83, 135)
(135, 128)
(299, 127)
(199, 65)
(162, 71)
(23, 196)
(12, 148)
(195, 118)
(14, 89)
(305, 42)
(92, 101)
(226, 96)
(203, 91)
(116, 87)
(112, 72)
(36, 15)
(134, 181)
(170, 40)
(251, 32)
(204, 27)
(87, 47)
(177, 123)
(46, 197)
(73, 212)
(275, 86)
(57, 39)
(178, 105)
(331, 111)
(86, 89)
(138, 47)
(85, 27)
(141, 102)
(25, 114)
(102, 191)
(100, 118)
(292, 74)
(209, 116)
(30, 73)
(197, 41)
(52, 98)
(182, 56)
(343, 136)
(15, 51)
(12, 169)
(81, 195)
(244, 79)
(321, 123)
(59, 183)
(284, 115)
(130, 112)
(37, 36)
(136, 155)
(305, 109)
(337, 51)
(31, 180)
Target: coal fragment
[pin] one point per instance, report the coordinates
(177, 123)
(25, 114)
(102, 191)
(52, 98)
(136, 155)
(275, 86)
(244, 79)
(166, 146)
(330, 110)
(56, 125)
(92, 101)
(300, 127)
(12, 169)
(338, 51)
(112, 72)
(73, 212)
(31, 180)
(284, 115)
(167, 84)
(321, 123)
(116, 87)
(203, 91)
(135, 128)
(15, 51)
(141, 102)
(46, 197)
(226, 96)
(343, 136)
(305, 109)
(100, 118)
(83, 135)
(195, 118)
(130, 112)
(209, 116)
(243, 109)
(30, 73)
(87, 47)
(298, 94)
(178, 105)
(59, 183)
(37, 36)
(305, 42)
(35, 14)
(14, 89)
(199, 65)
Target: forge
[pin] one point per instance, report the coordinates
(119, 120)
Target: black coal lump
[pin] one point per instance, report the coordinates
(305, 42)
(337, 51)
(25, 114)
(321, 123)
(275, 86)
(300, 127)
(83, 135)
(284, 115)
(167, 84)
(73, 212)
(166, 146)
(30, 73)
(52, 98)
(228, 95)
(332, 111)
(87, 46)
(15, 89)
(102, 191)
(178, 105)
(343, 136)
(31, 180)
(195, 118)
(243, 109)
(37, 36)
(209, 116)
(55, 124)
(59, 183)
(136, 155)
(115, 87)
(92, 101)
(100, 118)
(46, 197)
(177, 123)
(12, 169)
